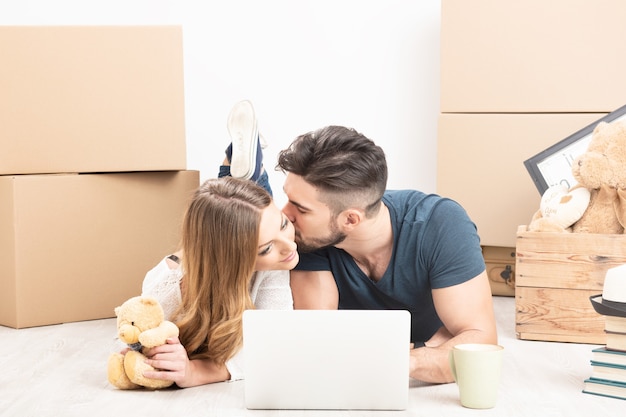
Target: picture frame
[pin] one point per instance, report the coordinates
(554, 165)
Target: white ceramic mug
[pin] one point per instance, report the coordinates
(476, 368)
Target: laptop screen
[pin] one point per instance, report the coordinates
(326, 359)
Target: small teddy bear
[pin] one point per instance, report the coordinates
(597, 203)
(140, 324)
(602, 170)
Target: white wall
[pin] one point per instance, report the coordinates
(304, 64)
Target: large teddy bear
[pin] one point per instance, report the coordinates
(597, 203)
(140, 324)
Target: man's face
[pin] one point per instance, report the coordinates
(315, 225)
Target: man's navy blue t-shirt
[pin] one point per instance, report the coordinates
(435, 245)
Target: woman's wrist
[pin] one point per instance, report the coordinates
(203, 371)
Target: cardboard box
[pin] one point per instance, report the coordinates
(532, 56)
(500, 264)
(91, 99)
(480, 164)
(73, 247)
(556, 273)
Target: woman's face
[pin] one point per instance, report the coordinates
(277, 248)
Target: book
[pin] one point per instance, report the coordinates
(615, 324)
(604, 355)
(616, 341)
(608, 371)
(605, 388)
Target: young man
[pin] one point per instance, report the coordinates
(362, 247)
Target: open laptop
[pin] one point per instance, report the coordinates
(326, 359)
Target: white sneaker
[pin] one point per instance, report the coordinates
(242, 128)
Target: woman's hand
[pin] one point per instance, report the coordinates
(171, 363)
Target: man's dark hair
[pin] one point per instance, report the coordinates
(347, 168)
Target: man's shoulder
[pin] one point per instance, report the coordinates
(411, 198)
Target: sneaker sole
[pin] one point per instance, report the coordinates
(242, 128)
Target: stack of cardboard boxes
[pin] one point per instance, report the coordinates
(516, 78)
(93, 179)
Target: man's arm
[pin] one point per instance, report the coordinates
(314, 290)
(466, 311)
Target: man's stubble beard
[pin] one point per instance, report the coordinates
(335, 238)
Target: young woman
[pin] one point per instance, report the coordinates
(237, 248)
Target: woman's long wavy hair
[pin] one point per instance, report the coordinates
(220, 244)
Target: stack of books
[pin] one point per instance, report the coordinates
(608, 363)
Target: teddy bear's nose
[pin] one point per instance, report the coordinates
(128, 334)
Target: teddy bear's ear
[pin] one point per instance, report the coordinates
(117, 310)
(149, 301)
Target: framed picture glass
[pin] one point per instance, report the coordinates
(554, 165)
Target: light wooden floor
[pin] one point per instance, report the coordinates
(61, 371)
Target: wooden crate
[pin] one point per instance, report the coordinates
(556, 273)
